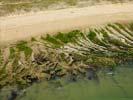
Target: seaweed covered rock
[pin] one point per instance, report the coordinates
(75, 54)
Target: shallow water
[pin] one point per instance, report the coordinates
(116, 87)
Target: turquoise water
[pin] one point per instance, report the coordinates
(117, 87)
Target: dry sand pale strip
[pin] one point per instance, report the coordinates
(19, 27)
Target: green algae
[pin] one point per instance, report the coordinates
(66, 54)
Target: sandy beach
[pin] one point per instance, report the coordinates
(19, 27)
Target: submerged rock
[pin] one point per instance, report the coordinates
(13, 95)
(91, 74)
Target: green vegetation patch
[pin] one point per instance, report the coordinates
(15, 6)
(61, 39)
(20, 6)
